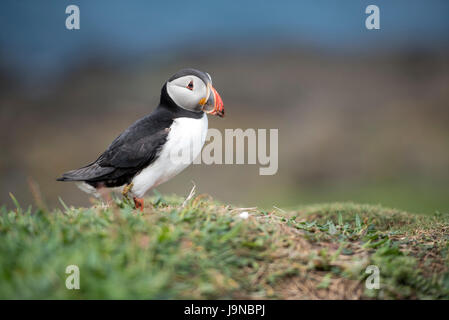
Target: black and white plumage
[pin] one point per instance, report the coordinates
(145, 154)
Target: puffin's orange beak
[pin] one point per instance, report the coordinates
(215, 104)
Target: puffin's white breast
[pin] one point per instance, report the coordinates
(184, 143)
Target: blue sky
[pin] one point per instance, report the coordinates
(33, 37)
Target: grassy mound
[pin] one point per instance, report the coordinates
(208, 250)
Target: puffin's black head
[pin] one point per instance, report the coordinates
(192, 90)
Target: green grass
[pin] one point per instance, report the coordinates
(205, 250)
(425, 197)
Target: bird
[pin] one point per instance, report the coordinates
(158, 146)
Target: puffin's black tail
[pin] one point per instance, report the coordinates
(87, 173)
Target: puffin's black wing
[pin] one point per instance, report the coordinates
(136, 148)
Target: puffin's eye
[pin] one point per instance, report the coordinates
(190, 85)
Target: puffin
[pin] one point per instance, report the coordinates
(158, 146)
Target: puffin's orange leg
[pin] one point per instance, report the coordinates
(138, 202)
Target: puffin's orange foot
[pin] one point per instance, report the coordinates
(138, 202)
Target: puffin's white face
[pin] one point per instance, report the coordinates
(188, 92)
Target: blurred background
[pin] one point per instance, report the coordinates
(363, 115)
